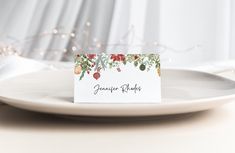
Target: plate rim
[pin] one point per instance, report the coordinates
(103, 107)
(218, 100)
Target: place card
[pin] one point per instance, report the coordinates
(117, 78)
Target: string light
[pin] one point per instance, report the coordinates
(76, 46)
(98, 45)
(65, 50)
(55, 31)
(63, 36)
(41, 53)
(7, 50)
(72, 35)
(88, 23)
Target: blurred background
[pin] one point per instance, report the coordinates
(188, 32)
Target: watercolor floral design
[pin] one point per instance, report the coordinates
(95, 63)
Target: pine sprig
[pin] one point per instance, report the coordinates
(87, 62)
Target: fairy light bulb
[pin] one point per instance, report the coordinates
(98, 45)
(55, 31)
(74, 48)
(72, 34)
(63, 36)
(65, 50)
(88, 24)
(41, 53)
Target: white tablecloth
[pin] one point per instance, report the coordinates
(203, 132)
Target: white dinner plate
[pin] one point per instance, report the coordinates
(183, 91)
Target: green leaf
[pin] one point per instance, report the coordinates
(136, 63)
(82, 75)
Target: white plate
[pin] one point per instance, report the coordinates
(182, 91)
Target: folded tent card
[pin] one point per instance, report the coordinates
(117, 78)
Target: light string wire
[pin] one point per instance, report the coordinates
(130, 35)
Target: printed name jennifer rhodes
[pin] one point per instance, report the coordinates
(125, 88)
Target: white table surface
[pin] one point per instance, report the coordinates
(210, 131)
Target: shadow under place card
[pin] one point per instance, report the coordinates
(117, 78)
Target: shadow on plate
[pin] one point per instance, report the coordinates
(13, 118)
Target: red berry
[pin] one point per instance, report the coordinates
(121, 57)
(96, 75)
(91, 56)
(118, 57)
(113, 57)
